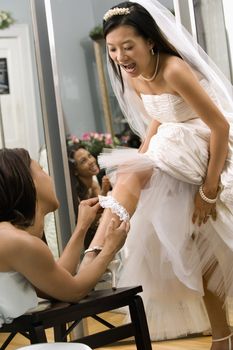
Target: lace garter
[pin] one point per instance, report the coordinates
(115, 206)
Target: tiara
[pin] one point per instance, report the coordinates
(117, 11)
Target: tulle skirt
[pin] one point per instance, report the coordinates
(165, 252)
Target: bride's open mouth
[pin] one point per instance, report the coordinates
(129, 68)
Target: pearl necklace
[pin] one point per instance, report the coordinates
(155, 72)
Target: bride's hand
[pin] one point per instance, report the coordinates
(203, 210)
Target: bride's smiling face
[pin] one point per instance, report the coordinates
(130, 50)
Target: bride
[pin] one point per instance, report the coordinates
(178, 187)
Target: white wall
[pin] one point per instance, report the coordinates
(20, 11)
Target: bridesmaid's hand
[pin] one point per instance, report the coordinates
(106, 186)
(87, 212)
(203, 210)
(116, 235)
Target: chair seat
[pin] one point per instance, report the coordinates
(56, 346)
(63, 317)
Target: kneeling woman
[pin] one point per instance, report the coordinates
(27, 267)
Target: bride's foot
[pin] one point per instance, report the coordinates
(90, 254)
(113, 267)
(224, 343)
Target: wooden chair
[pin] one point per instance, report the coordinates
(56, 346)
(63, 317)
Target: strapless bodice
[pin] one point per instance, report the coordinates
(172, 108)
(17, 296)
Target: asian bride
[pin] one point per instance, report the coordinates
(176, 190)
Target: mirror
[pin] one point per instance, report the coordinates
(87, 106)
(21, 122)
(227, 11)
(214, 31)
(82, 96)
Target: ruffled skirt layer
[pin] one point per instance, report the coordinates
(165, 252)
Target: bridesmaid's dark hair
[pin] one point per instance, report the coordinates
(79, 189)
(144, 24)
(17, 189)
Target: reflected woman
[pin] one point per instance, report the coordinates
(85, 181)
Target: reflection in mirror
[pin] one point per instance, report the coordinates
(86, 181)
(21, 117)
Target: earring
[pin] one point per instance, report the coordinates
(152, 51)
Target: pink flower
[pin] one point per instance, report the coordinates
(86, 136)
(108, 139)
(74, 139)
(96, 136)
(100, 137)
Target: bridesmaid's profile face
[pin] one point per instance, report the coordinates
(45, 192)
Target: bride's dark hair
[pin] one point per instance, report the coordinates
(144, 25)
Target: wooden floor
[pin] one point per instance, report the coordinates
(116, 318)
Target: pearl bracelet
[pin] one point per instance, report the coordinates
(95, 249)
(206, 199)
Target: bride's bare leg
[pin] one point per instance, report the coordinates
(218, 320)
(126, 191)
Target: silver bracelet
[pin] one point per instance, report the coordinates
(206, 199)
(95, 249)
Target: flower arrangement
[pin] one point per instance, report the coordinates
(5, 19)
(94, 141)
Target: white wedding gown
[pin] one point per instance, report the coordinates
(164, 251)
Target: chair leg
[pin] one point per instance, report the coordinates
(60, 333)
(139, 321)
(7, 341)
(37, 335)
